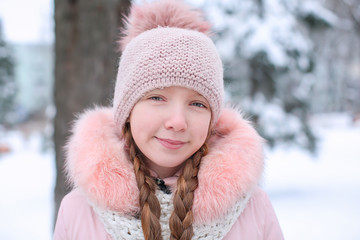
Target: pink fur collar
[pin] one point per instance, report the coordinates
(97, 164)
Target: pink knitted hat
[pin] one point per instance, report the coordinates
(166, 45)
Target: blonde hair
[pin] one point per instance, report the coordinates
(181, 219)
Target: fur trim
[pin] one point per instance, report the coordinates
(164, 13)
(99, 166)
(232, 167)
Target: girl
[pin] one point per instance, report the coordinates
(166, 161)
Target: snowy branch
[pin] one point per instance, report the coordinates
(354, 17)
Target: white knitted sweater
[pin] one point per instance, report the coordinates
(129, 228)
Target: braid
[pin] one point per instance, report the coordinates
(149, 204)
(182, 217)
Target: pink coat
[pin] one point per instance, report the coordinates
(98, 167)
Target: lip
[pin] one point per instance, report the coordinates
(170, 144)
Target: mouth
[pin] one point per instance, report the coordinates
(170, 143)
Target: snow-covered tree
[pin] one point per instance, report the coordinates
(337, 52)
(7, 81)
(269, 60)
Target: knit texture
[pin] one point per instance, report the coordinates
(167, 55)
(162, 13)
(129, 228)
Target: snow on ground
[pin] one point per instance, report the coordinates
(26, 189)
(315, 197)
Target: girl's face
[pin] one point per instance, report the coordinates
(169, 125)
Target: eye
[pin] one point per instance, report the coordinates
(199, 104)
(156, 98)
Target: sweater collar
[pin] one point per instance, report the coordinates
(98, 165)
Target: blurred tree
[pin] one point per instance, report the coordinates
(352, 96)
(273, 54)
(85, 65)
(354, 12)
(337, 53)
(7, 82)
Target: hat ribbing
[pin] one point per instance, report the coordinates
(164, 57)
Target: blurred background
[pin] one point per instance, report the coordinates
(292, 66)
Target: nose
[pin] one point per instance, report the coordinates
(176, 119)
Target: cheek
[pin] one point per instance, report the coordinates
(138, 117)
(201, 126)
(136, 122)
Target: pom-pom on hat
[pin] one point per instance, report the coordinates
(166, 44)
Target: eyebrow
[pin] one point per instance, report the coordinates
(160, 90)
(199, 95)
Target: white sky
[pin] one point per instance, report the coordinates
(25, 21)
(31, 21)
